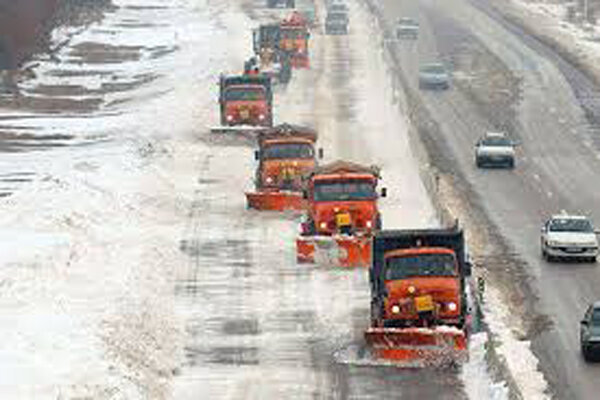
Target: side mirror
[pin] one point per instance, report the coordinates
(320, 153)
(468, 268)
(305, 194)
(256, 155)
(383, 192)
(597, 232)
(583, 322)
(543, 229)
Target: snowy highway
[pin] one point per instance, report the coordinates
(132, 269)
(507, 80)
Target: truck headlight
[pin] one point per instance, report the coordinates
(369, 224)
(411, 289)
(452, 306)
(261, 117)
(395, 309)
(323, 225)
(230, 117)
(269, 179)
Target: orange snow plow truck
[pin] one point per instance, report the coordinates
(286, 153)
(342, 215)
(245, 102)
(419, 310)
(294, 38)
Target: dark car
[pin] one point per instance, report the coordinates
(590, 333)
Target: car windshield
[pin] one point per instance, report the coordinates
(595, 320)
(419, 265)
(288, 150)
(342, 191)
(570, 225)
(433, 69)
(244, 94)
(496, 141)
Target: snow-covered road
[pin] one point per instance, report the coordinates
(130, 267)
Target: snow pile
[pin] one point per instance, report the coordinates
(90, 249)
(548, 21)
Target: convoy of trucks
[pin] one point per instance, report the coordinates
(419, 279)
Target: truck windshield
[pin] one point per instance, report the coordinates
(244, 94)
(336, 16)
(570, 225)
(293, 34)
(419, 265)
(344, 191)
(288, 150)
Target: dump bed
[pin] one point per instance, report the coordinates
(387, 240)
(247, 80)
(346, 167)
(287, 130)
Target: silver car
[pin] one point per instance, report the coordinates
(434, 76)
(589, 333)
(407, 28)
(495, 149)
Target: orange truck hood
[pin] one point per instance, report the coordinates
(360, 211)
(292, 168)
(440, 287)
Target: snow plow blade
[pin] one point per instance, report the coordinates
(341, 250)
(242, 129)
(275, 201)
(419, 347)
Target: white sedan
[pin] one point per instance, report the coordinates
(569, 237)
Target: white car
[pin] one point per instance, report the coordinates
(569, 237)
(495, 149)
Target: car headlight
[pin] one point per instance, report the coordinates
(452, 306)
(323, 225)
(269, 179)
(395, 309)
(261, 117)
(553, 243)
(230, 117)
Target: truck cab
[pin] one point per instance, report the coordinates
(418, 278)
(285, 154)
(294, 37)
(342, 198)
(246, 100)
(422, 284)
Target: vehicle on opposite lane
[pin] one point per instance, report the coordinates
(589, 333)
(434, 76)
(407, 28)
(569, 237)
(495, 149)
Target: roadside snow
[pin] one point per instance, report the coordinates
(90, 247)
(548, 21)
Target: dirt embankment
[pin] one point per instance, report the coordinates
(25, 24)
